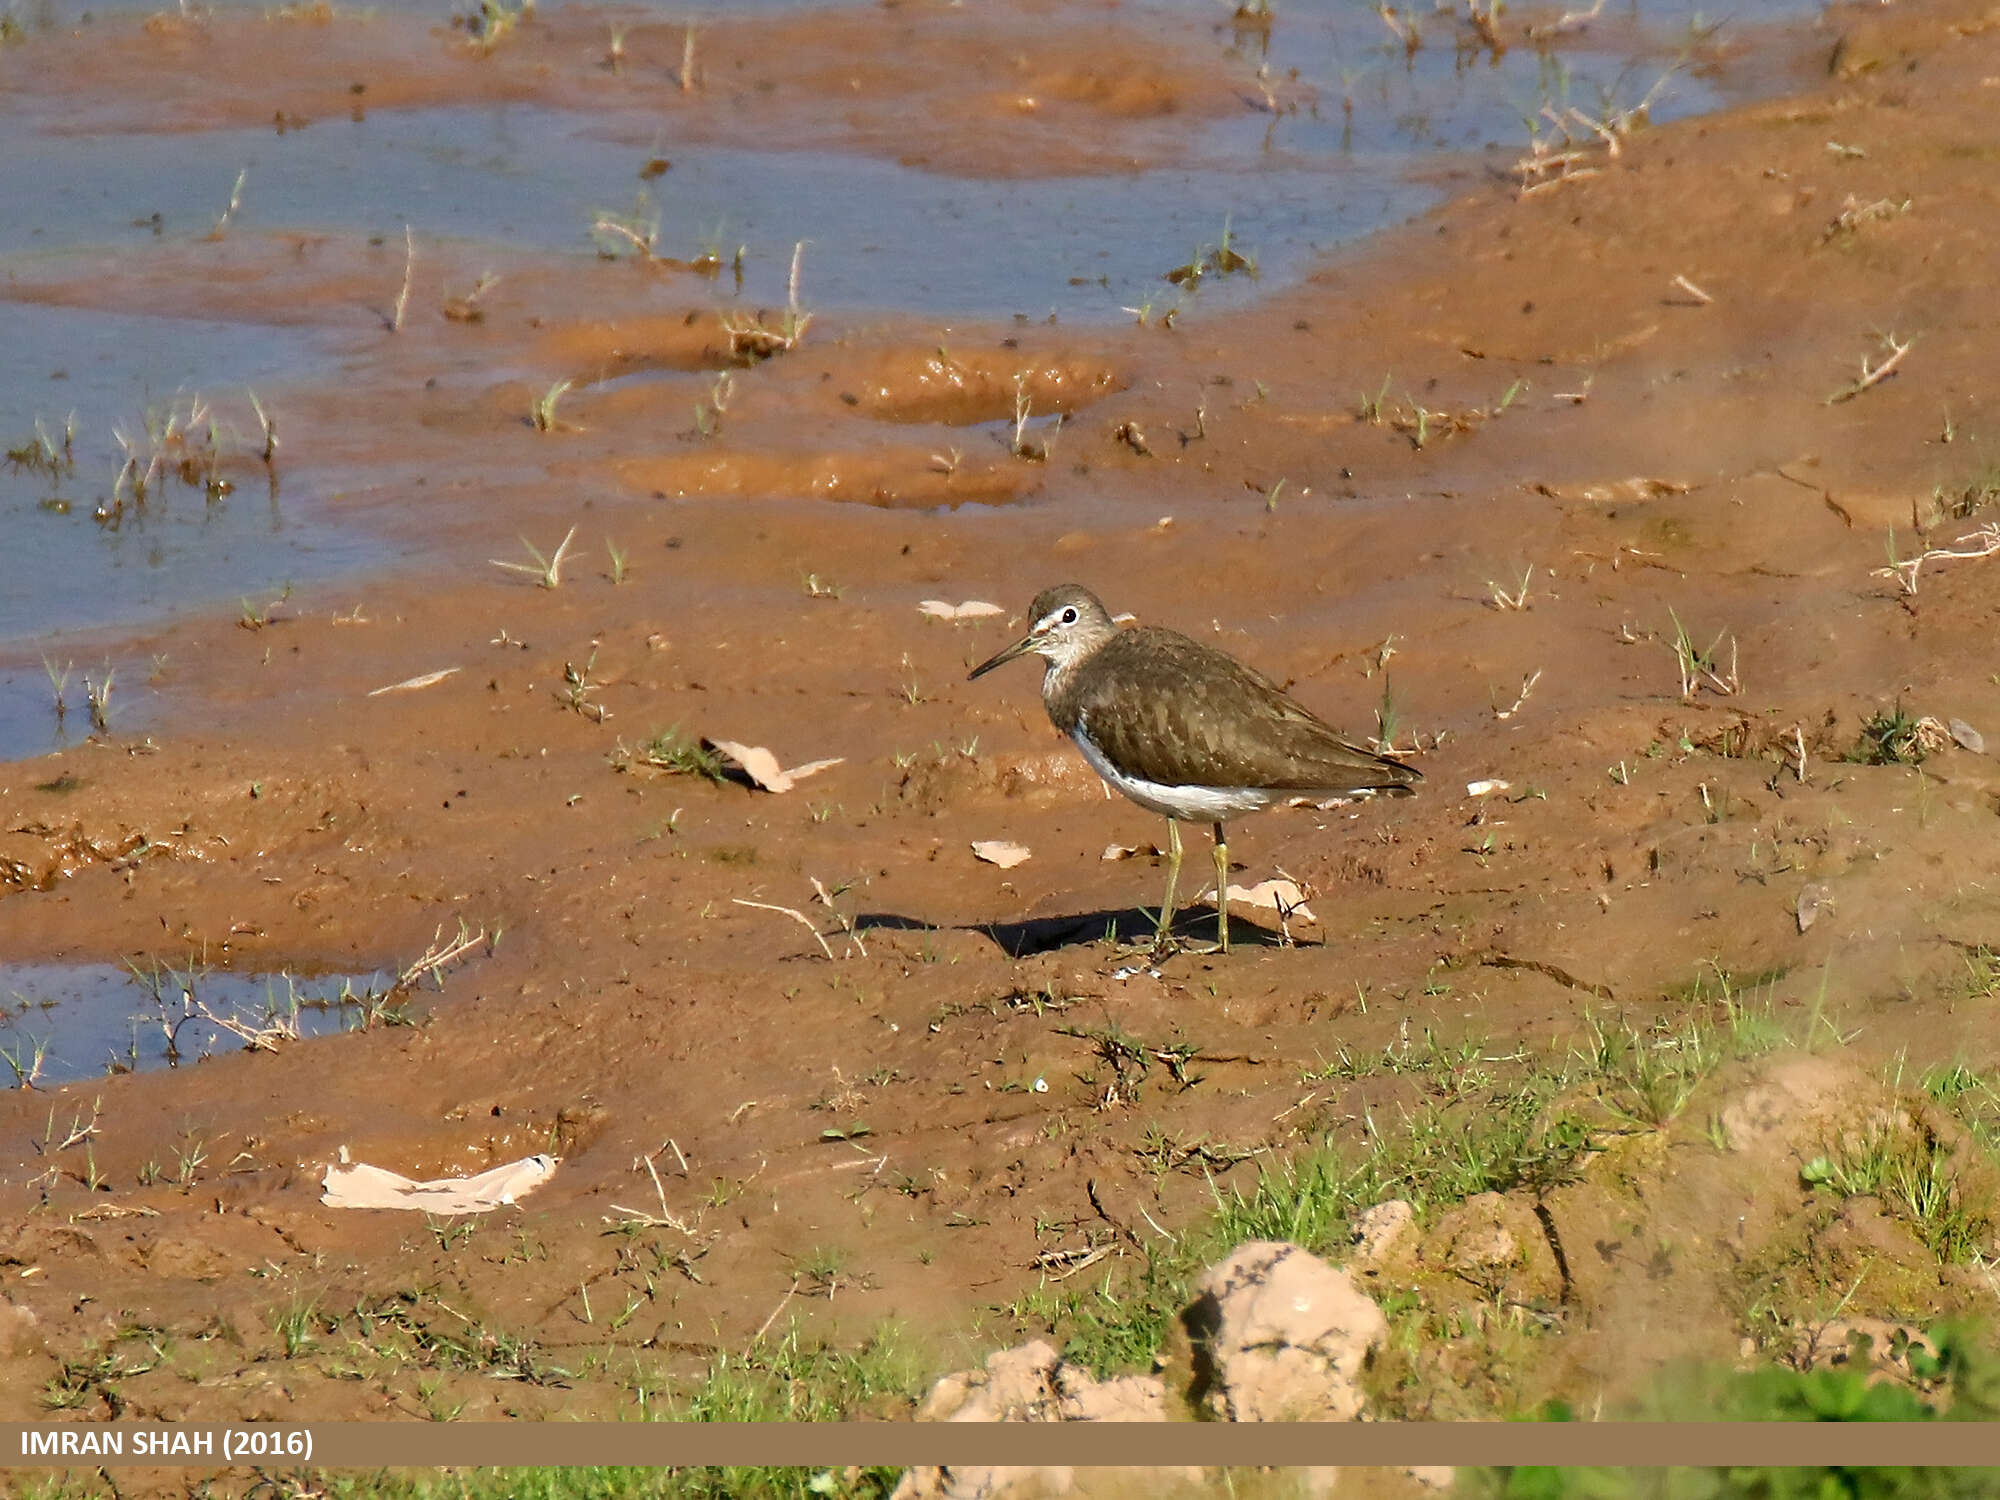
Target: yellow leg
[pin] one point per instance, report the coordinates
(1221, 889)
(1173, 877)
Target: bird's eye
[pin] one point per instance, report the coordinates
(1069, 616)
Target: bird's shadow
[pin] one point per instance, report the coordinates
(1126, 926)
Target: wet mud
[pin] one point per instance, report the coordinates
(1462, 487)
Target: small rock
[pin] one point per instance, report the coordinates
(1967, 737)
(1475, 1236)
(1029, 1384)
(1377, 1229)
(1017, 1385)
(1483, 1247)
(20, 1331)
(1125, 1398)
(1788, 1107)
(187, 1258)
(1282, 1336)
(1813, 900)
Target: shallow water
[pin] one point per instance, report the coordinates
(881, 234)
(1357, 123)
(1360, 125)
(63, 1022)
(29, 724)
(61, 569)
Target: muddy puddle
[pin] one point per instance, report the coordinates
(883, 235)
(60, 698)
(132, 485)
(63, 1022)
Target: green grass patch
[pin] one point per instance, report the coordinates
(792, 1378)
(611, 1483)
(1972, 1097)
(1890, 737)
(1956, 1378)
(1934, 1184)
(675, 753)
(1484, 1123)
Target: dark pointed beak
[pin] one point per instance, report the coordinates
(1019, 648)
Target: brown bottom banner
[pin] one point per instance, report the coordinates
(1083, 1444)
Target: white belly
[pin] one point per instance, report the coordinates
(1193, 804)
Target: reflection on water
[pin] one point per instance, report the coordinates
(62, 1022)
(83, 549)
(1345, 127)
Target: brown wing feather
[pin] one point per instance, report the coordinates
(1171, 710)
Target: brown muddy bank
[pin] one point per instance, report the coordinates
(1474, 473)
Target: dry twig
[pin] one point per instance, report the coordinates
(1981, 543)
(665, 1219)
(409, 271)
(846, 926)
(1874, 374)
(796, 915)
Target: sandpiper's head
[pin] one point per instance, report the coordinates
(1066, 625)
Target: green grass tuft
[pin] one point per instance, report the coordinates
(673, 752)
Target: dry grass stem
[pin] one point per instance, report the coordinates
(1079, 1260)
(1569, 20)
(1872, 375)
(269, 424)
(78, 1130)
(797, 916)
(235, 202)
(442, 951)
(751, 338)
(1854, 214)
(664, 1219)
(1981, 543)
(547, 571)
(1404, 28)
(1699, 667)
(790, 1292)
(402, 306)
(1527, 687)
(1518, 599)
(846, 926)
(272, 1033)
(1562, 157)
(620, 229)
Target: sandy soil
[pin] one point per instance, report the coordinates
(1562, 405)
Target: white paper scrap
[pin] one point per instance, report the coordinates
(762, 767)
(362, 1186)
